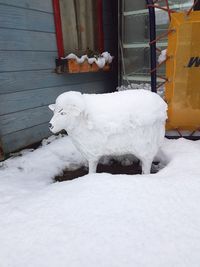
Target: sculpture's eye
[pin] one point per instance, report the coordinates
(61, 112)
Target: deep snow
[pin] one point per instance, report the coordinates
(101, 219)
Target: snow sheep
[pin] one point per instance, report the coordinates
(112, 124)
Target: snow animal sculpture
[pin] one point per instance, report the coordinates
(120, 123)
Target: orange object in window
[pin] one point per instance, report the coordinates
(74, 67)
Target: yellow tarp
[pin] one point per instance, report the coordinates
(183, 72)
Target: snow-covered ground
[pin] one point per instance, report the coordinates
(99, 220)
(145, 86)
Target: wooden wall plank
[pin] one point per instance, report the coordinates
(109, 33)
(18, 140)
(41, 5)
(24, 119)
(26, 60)
(109, 47)
(19, 18)
(27, 40)
(11, 82)
(107, 18)
(107, 6)
(15, 102)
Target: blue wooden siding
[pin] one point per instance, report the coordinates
(28, 82)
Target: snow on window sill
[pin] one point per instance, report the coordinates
(74, 64)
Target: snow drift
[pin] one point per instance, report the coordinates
(100, 219)
(126, 122)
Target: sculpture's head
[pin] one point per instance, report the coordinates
(67, 111)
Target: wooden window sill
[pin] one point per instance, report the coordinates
(71, 66)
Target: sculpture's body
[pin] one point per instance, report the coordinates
(127, 122)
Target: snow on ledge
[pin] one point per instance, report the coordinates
(101, 60)
(163, 56)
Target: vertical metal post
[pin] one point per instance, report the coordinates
(1, 151)
(152, 31)
(197, 5)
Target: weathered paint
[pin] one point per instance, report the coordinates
(28, 82)
(25, 19)
(45, 6)
(27, 40)
(11, 82)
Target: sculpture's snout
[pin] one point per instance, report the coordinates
(50, 126)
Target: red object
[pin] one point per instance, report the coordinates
(58, 26)
(169, 14)
(162, 8)
(193, 6)
(161, 36)
(100, 26)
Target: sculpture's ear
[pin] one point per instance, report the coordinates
(88, 121)
(52, 107)
(75, 110)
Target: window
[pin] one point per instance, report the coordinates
(135, 37)
(79, 26)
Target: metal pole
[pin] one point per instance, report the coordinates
(197, 5)
(152, 30)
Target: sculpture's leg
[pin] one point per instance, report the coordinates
(146, 166)
(93, 166)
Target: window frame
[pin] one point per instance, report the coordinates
(58, 27)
